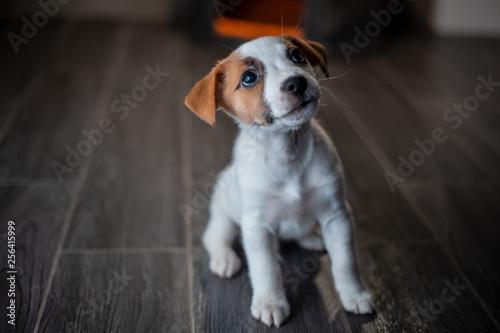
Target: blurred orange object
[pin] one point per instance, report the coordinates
(252, 19)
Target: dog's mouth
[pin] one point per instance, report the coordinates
(300, 107)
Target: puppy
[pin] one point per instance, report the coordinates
(285, 177)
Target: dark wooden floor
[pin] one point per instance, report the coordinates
(108, 249)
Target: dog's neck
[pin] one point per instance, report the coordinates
(282, 148)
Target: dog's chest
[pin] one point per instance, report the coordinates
(289, 193)
(284, 169)
(290, 207)
(285, 176)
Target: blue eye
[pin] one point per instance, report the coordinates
(248, 78)
(296, 56)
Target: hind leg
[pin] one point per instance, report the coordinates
(218, 239)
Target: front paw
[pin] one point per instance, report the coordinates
(270, 310)
(359, 302)
(225, 263)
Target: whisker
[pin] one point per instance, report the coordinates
(281, 12)
(293, 143)
(337, 76)
(322, 77)
(305, 136)
(327, 115)
(262, 114)
(256, 140)
(244, 133)
(334, 89)
(255, 132)
(296, 27)
(319, 68)
(224, 46)
(335, 98)
(267, 115)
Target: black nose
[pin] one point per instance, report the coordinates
(295, 85)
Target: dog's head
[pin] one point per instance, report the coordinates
(269, 81)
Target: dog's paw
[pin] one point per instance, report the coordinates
(270, 310)
(359, 302)
(225, 263)
(311, 242)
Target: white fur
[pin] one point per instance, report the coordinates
(283, 180)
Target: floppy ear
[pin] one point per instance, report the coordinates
(202, 99)
(313, 51)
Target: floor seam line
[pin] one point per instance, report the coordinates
(124, 250)
(382, 159)
(186, 150)
(455, 139)
(104, 93)
(15, 112)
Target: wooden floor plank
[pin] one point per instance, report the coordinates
(19, 68)
(454, 63)
(467, 218)
(128, 219)
(118, 293)
(396, 125)
(460, 63)
(412, 286)
(379, 214)
(443, 237)
(61, 108)
(38, 213)
(134, 187)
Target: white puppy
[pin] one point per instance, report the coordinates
(285, 176)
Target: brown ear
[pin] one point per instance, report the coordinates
(202, 99)
(313, 51)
